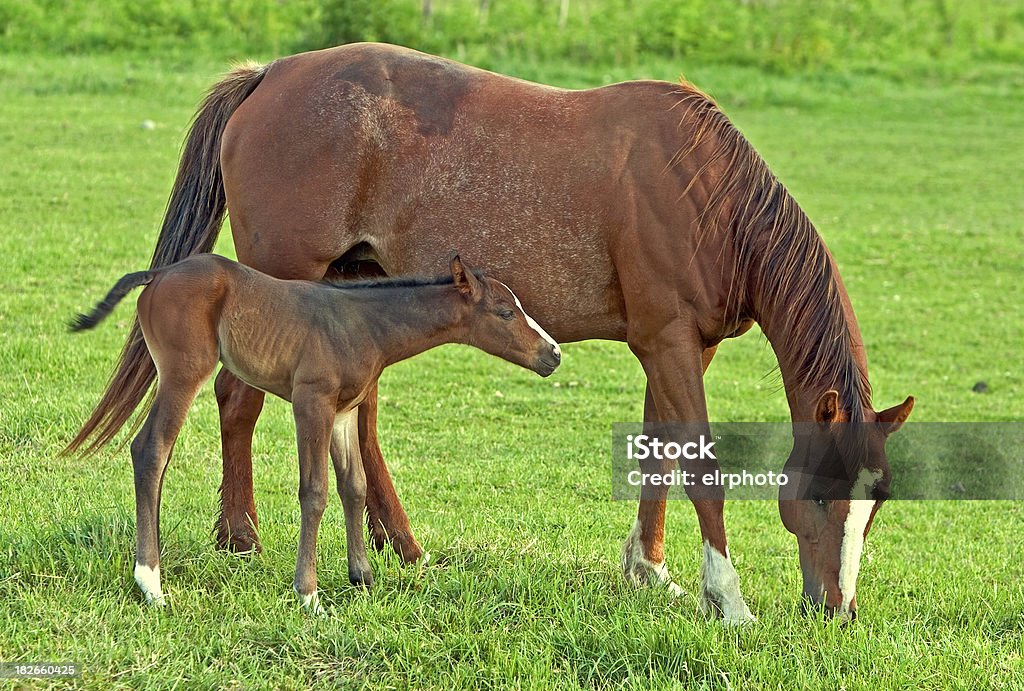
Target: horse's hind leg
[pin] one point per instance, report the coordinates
(385, 515)
(348, 469)
(240, 406)
(151, 452)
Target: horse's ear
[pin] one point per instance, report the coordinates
(893, 418)
(827, 410)
(463, 277)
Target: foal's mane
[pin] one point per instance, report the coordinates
(396, 282)
(782, 270)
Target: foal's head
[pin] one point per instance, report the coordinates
(497, 323)
(839, 477)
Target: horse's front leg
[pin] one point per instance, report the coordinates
(385, 515)
(643, 554)
(674, 361)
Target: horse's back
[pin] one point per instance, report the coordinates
(410, 156)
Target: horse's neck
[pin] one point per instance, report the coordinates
(403, 322)
(807, 346)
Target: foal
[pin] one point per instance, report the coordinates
(320, 346)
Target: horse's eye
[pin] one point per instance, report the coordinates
(821, 502)
(507, 315)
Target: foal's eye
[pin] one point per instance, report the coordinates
(507, 315)
(821, 502)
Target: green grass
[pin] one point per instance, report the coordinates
(505, 476)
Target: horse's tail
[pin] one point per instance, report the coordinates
(102, 309)
(192, 221)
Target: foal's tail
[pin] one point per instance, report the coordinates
(192, 221)
(102, 309)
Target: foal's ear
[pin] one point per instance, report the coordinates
(893, 418)
(827, 410)
(463, 277)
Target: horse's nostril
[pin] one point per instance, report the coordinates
(557, 353)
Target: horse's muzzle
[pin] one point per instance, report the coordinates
(844, 617)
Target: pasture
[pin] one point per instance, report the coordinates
(915, 188)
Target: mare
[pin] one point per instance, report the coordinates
(320, 346)
(633, 212)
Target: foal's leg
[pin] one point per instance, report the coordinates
(675, 362)
(240, 406)
(151, 451)
(314, 420)
(348, 470)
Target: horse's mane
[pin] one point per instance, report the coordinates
(778, 253)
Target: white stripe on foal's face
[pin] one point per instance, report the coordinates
(534, 325)
(853, 534)
(148, 581)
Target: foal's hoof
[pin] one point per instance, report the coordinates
(361, 578)
(403, 544)
(407, 549)
(311, 603)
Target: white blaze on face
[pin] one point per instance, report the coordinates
(534, 325)
(853, 534)
(149, 583)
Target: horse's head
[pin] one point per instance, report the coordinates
(839, 477)
(497, 323)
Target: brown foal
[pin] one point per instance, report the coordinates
(320, 346)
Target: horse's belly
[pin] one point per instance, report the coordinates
(325, 157)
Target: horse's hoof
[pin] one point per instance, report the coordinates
(404, 545)
(742, 619)
(731, 614)
(156, 602)
(407, 549)
(643, 573)
(239, 543)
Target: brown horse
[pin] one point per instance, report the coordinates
(634, 212)
(320, 347)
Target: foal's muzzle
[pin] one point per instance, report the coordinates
(548, 360)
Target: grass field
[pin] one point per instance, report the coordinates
(915, 187)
